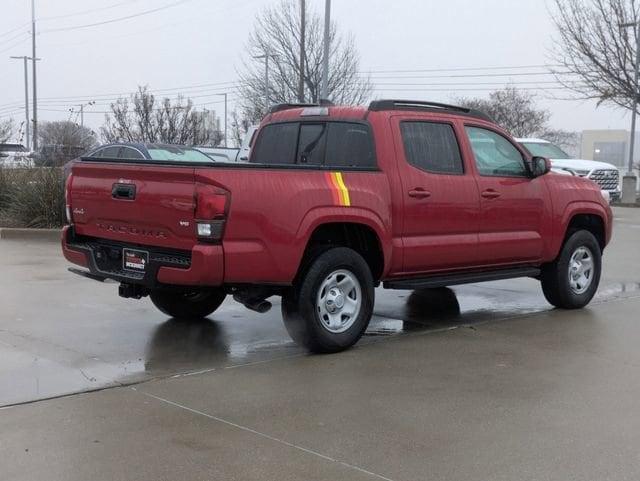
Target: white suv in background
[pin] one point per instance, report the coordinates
(606, 175)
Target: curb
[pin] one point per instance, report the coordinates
(50, 235)
(632, 206)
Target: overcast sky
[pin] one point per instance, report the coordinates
(199, 42)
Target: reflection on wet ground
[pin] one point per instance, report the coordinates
(236, 336)
(183, 345)
(128, 341)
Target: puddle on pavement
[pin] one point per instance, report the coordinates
(235, 336)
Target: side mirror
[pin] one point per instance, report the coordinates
(540, 166)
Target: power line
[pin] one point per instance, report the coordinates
(460, 69)
(119, 19)
(26, 37)
(22, 26)
(7, 40)
(477, 75)
(487, 89)
(85, 12)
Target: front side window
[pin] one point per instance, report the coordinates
(432, 147)
(495, 155)
(276, 144)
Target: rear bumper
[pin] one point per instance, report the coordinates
(202, 266)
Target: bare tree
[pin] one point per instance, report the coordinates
(512, 109)
(277, 35)
(568, 141)
(6, 130)
(515, 110)
(596, 54)
(61, 141)
(141, 118)
(239, 128)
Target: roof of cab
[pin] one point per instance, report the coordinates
(281, 112)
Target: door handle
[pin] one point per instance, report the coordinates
(123, 191)
(419, 193)
(490, 194)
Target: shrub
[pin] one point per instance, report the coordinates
(5, 185)
(36, 198)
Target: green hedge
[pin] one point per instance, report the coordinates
(32, 197)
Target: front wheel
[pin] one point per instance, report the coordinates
(331, 305)
(571, 281)
(187, 304)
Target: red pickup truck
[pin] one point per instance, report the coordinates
(334, 202)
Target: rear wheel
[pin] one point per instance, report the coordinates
(331, 305)
(571, 281)
(187, 304)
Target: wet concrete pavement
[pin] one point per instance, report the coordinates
(477, 382)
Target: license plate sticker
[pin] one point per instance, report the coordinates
(134, 260)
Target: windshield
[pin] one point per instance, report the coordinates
(545, 149)
(182, 154)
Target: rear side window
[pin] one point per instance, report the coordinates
(127, 153)
(349, 145)
(432, 147)
(111, 152)
(276, 144)
(311, 144)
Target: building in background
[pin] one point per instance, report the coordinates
(610, 146)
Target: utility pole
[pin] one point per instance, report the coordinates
(324, 95)
(302, 47)
(24, 58)
(81, 107)
(225, 118)
(629, 179)
(34, 58)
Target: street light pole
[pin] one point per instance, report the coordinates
(325, 58)
(266, 79)
(629, 180)
(303, 28)
(26, 97)
(225, 118)
(34, 59)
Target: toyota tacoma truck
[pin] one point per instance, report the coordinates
(334, 202)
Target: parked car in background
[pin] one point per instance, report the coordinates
(247, 142)
(333, 202)
(15, 156)
(229, 154)
(606, 175)
(220, 154)
(148, 151)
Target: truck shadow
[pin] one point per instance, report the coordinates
(180, 345)
(422, 310)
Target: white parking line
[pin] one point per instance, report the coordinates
(266, 436)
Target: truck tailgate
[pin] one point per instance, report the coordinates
(142, 204)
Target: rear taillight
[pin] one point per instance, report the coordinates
(212, 204)
(67, 199)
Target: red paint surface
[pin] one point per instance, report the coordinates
(272, 212)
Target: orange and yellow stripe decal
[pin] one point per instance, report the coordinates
(338, 188)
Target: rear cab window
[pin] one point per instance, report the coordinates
(322, 144)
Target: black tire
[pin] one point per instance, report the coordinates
(187, 304)
(555, 275)
(299, 304)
